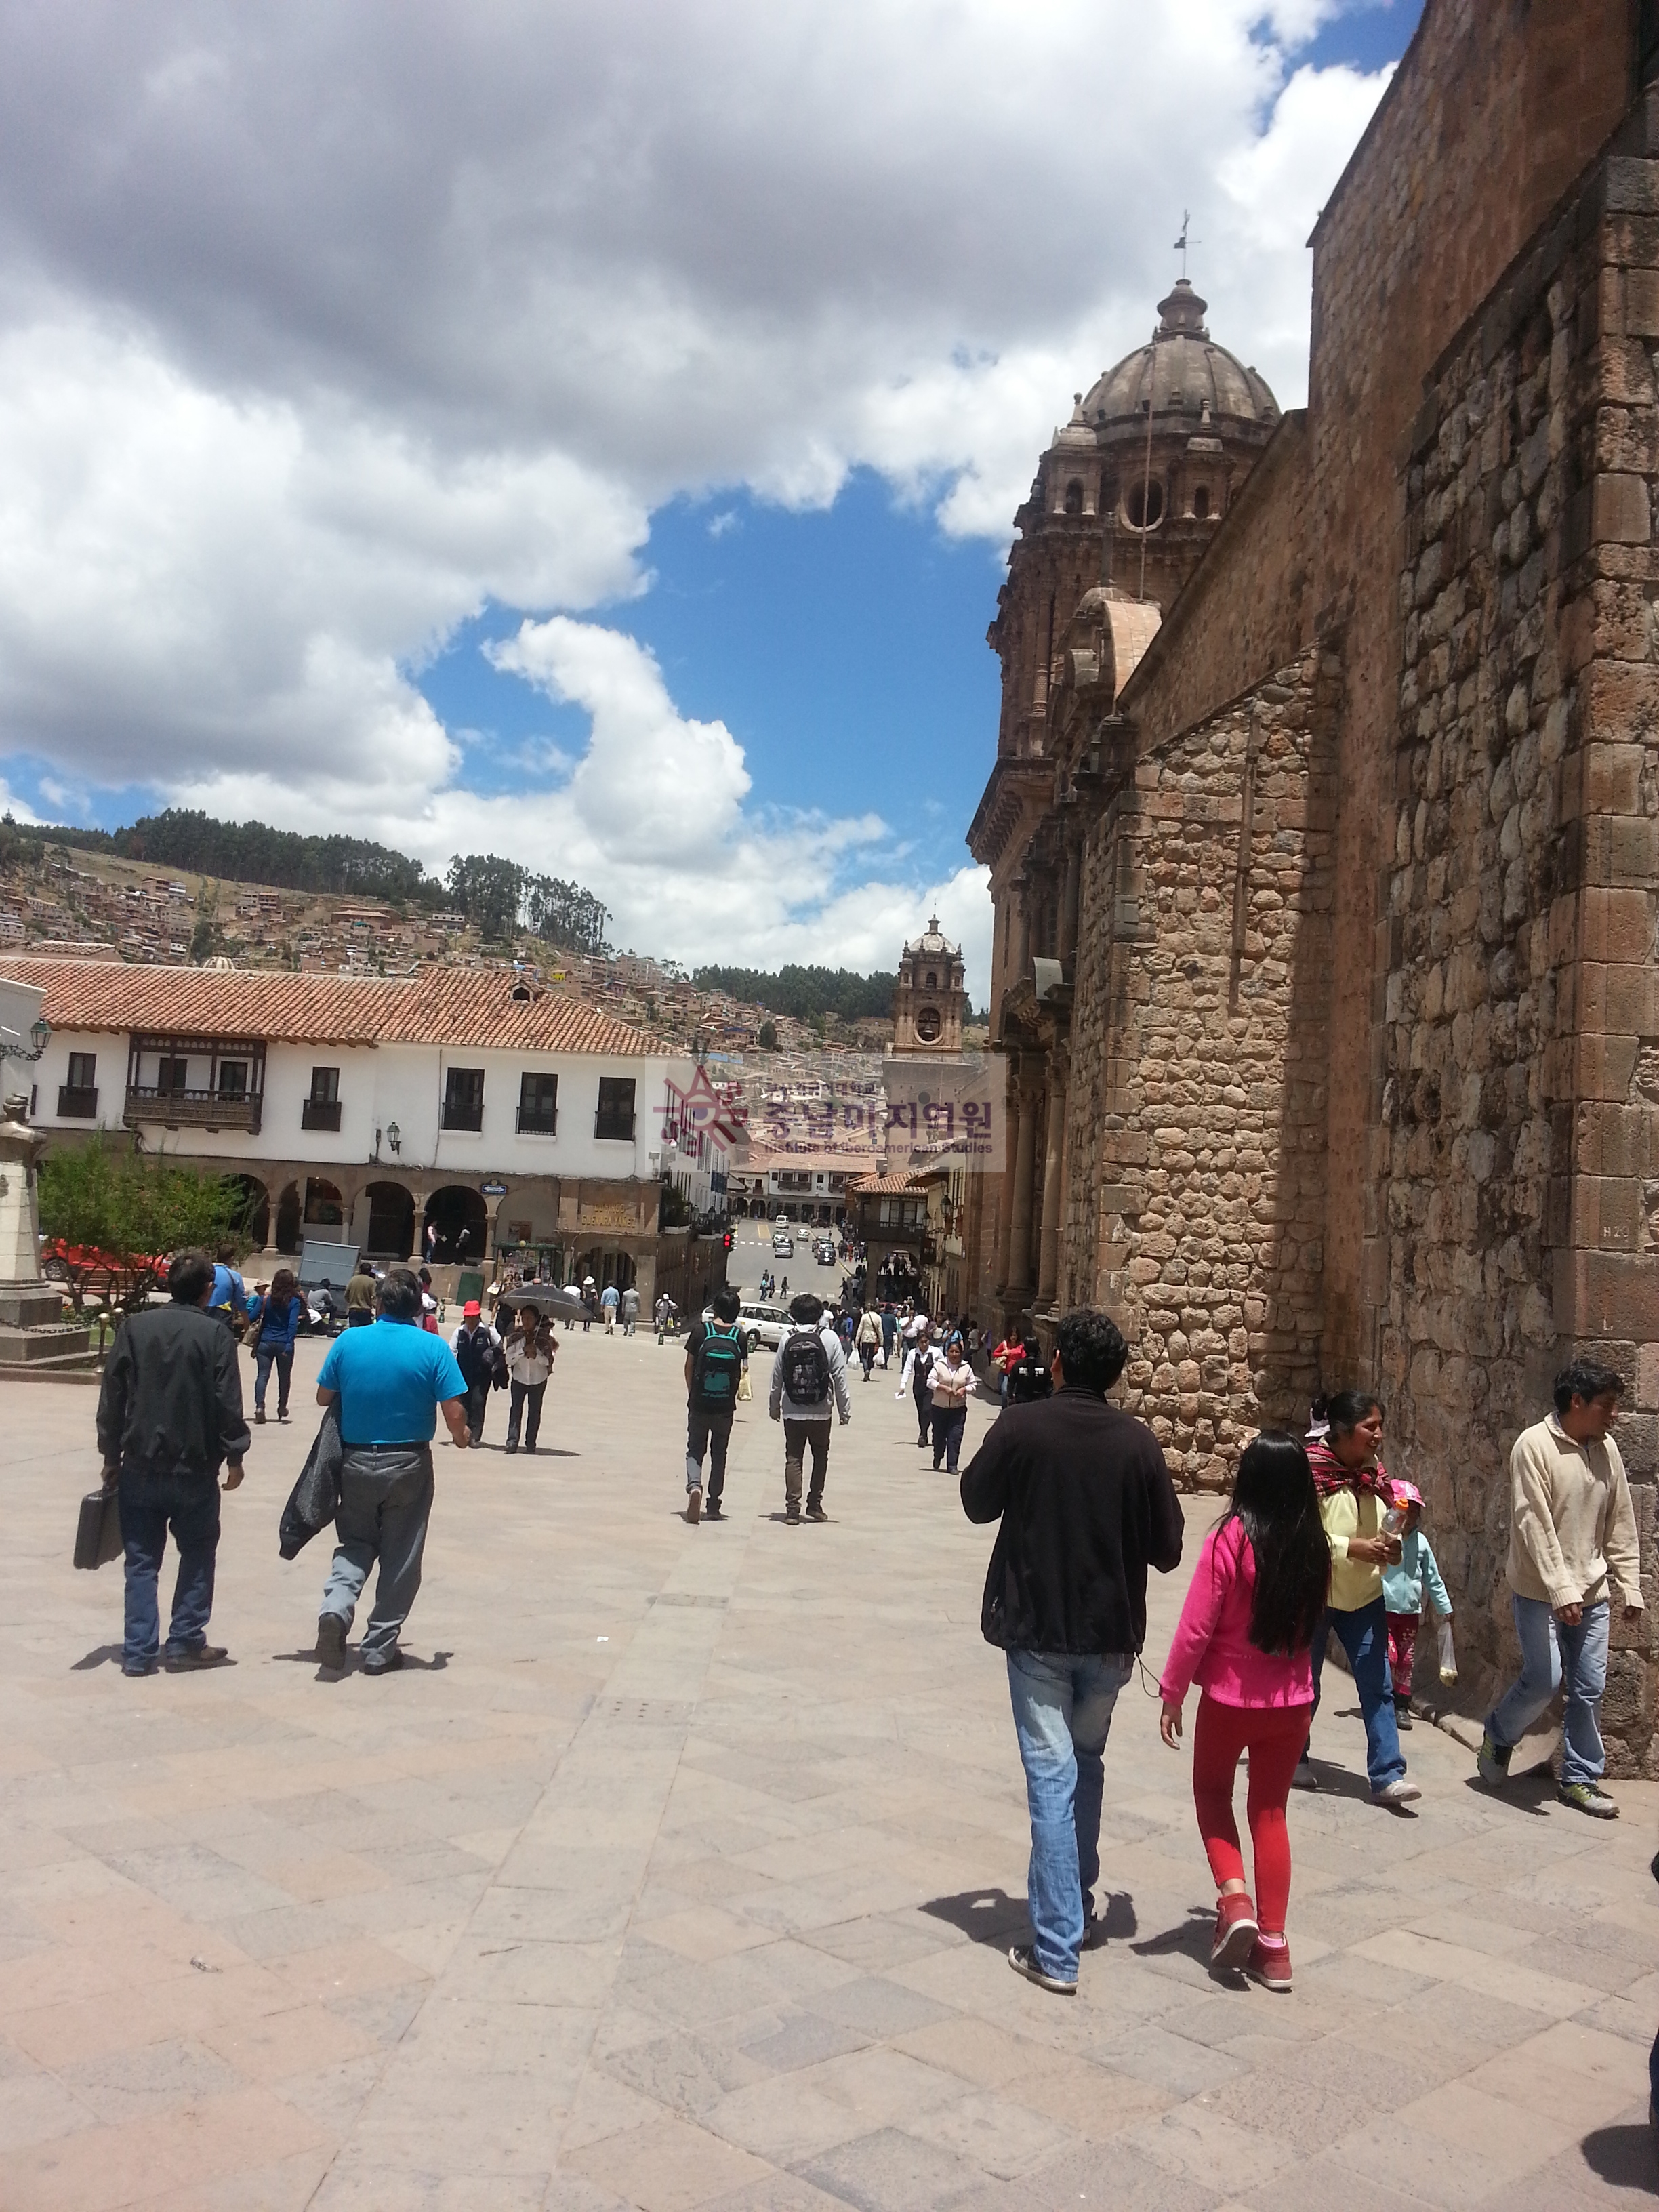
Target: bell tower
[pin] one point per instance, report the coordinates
(930, 1000)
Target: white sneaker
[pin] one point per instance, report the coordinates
(1395, 1793)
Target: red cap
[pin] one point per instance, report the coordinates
(471, 1310)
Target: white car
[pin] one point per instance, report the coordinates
(783, 1247)
(764, 1325)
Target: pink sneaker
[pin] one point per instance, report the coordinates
(1269, 1963)
(1235, 1932)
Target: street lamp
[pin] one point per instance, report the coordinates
(13, 1046)
(394, 1136)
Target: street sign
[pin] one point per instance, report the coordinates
(493, 1190)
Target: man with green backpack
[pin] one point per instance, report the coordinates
(715, 1357)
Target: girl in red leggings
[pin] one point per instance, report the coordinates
(1246, 1637)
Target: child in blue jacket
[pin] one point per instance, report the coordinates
(1405, 1584)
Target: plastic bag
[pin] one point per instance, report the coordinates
(1448, 1653)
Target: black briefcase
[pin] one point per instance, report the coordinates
(98, 1531)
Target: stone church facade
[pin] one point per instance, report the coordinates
(1324, 824)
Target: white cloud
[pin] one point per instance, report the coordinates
(320, 328)
(654, 813)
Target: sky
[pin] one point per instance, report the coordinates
(590, 430)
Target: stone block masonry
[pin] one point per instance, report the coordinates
(1518, 1150)
(1198, 1068)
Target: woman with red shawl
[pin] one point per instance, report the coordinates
(1353, 1496)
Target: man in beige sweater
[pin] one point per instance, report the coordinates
(1572, 1534)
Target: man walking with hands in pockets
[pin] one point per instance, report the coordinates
(1086, 1505)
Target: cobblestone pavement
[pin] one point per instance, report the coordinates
(677, 1869)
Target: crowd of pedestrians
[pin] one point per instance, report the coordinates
(1317, 1540)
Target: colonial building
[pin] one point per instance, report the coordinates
(1322, 825)
(511, 1120)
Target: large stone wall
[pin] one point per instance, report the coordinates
(1520, 1108)
(1494, 111)
(1196, 1105)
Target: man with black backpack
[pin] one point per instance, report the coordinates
(809, 1377)
(715, 1360)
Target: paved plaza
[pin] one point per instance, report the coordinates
(676, 1870)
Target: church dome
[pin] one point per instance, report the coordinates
(933, 941)
(1184, 371)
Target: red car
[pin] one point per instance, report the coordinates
(104, 1274)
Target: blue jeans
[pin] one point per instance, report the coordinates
(1364, 1634)
(1063, 1705)
(262, 1357)
(1551, 1654)
(150, 1505)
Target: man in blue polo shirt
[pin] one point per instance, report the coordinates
(391, 1383)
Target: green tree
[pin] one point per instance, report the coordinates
(767, 1039)
(118, 1214)
(802, 992)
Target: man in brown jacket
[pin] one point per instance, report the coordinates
(1572, 1534)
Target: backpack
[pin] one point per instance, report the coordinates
(717, 1368)
(806, 1369)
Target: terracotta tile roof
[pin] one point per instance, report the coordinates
(887, 1186)
(464, 1006)
(440, 1005)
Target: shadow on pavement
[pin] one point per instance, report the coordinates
(435, 1665)
(1194, 1936)
(1118, 1922)
(102, 1654)
(1623, 2155)
(1530, 1793)
(1337, 1782)
(988, 1916)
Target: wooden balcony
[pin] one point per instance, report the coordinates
(191, 1109)
(319, 1114)
(77, 1105)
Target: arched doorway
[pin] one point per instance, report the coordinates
(461, 1219)
(287, 1220)
(325, 1206)
(390, 1231)
(255, 1210)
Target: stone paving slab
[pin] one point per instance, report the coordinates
(677, 1869)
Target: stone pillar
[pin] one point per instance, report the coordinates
(1053, 1150)
(1021, 972)
(1019, 1210)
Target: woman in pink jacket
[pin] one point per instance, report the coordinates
(1246, 1637)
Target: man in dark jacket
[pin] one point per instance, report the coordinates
(169, 1416)
(1086, 1506)
(477, 1349)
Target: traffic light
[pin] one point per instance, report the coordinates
(730, 1240)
